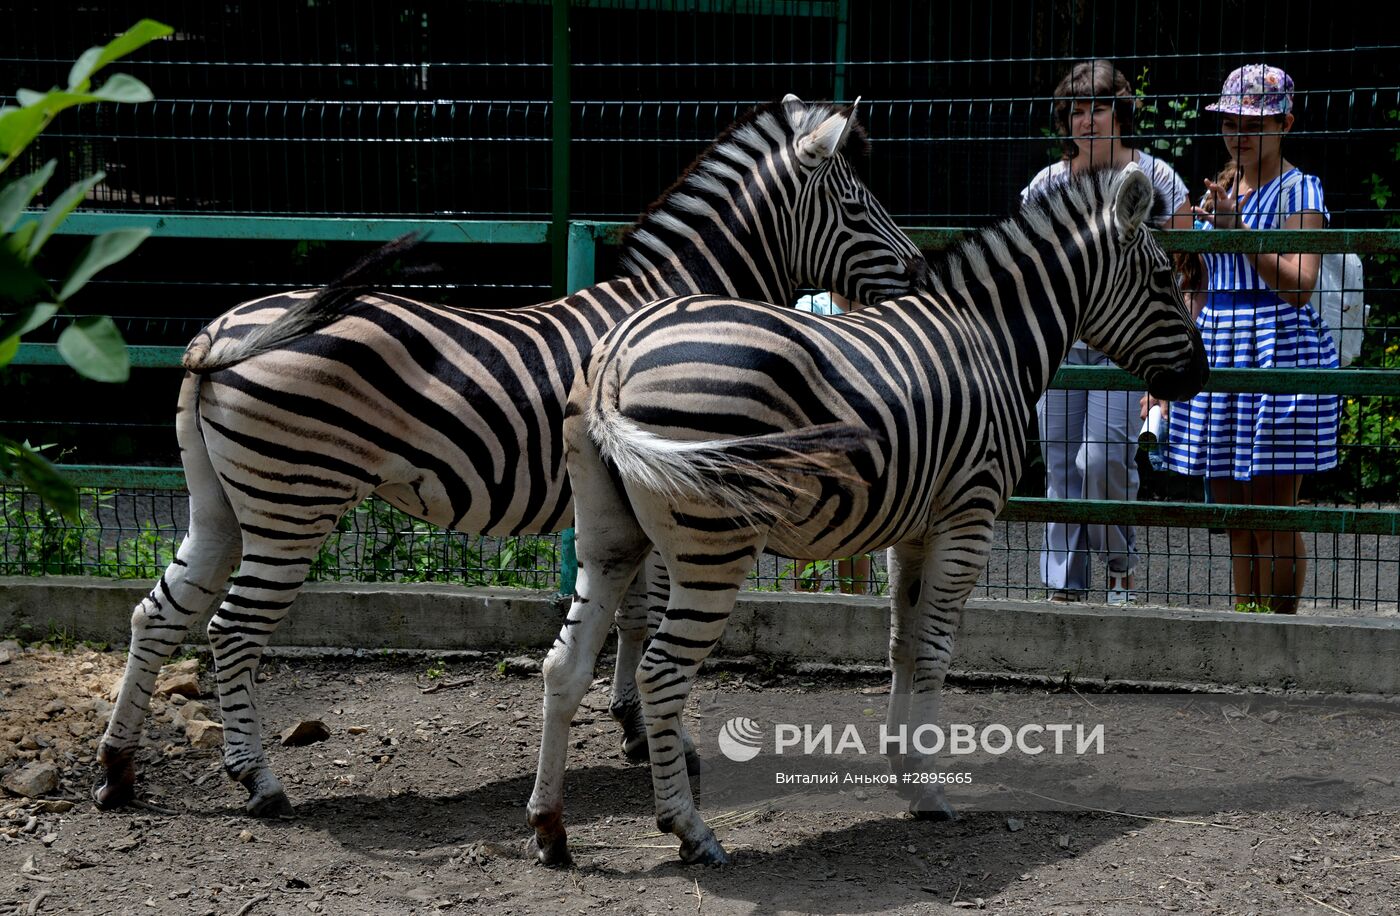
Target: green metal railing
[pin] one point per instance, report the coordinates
(583, 237)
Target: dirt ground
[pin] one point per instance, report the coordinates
(416, 803)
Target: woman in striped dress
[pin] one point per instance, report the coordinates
(1255, 448)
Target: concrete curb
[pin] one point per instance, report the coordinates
(1084, 643)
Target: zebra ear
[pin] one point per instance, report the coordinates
(794, 108)
(827, 139)
(1132, 201)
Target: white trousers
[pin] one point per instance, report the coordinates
(1089, 442)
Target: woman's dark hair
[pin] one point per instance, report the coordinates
(1094, 79)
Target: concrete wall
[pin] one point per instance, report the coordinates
(1086, 643)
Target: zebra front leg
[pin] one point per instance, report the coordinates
(267, 583)
(929, 629)
(638, 619)
(158, 627)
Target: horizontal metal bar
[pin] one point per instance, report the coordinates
(1203, 515)
(288, 228)
(142, 357)
(1091, 378)
(1251, 381)
(1018, 509)
(1362, 241)
(533, 232)
(116, 477)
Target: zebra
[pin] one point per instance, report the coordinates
(712, 428)
(296, 407)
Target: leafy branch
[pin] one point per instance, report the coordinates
(91, 344)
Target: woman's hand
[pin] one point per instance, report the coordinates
(1146, 403)
(1223, 211)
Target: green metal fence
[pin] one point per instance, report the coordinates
(287, 137)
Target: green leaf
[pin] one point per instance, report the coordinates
(19, 126)
(20, 192)
(123, 87)
(20, 284)
(18, 240)
(94, 59)
(58, 211)
(93, 346)
(44, 479)
(9, 346)
(105, 250)
(27, 319)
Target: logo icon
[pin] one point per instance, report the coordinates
(739, 739)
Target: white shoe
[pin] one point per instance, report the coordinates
(1119, 595)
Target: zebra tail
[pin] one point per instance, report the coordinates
(304, 315)
(753, 475)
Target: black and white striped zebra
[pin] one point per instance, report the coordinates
(297, 407)
(712, 429)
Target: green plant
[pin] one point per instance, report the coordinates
(1172, 127)
(91, 344)
(39, 540)
(1250, 607)
(438, 668)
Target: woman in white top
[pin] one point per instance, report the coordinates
(1089, 438)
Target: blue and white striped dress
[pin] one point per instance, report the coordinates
(1245, 324)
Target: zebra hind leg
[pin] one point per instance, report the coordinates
(703, 589)
(268, 581)
(158, 627)
(625, 703)
(611, 546)
(637, 621)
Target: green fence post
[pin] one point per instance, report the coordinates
(579, 273)
(838, 83)
(561, 129)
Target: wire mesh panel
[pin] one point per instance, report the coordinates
(133, 534)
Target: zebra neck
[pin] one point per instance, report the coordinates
(677, 251)
(1019, 297)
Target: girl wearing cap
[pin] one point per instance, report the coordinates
(1089, 438)
(1255, 448)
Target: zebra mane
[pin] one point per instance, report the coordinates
(753, 132)
(1086, 192)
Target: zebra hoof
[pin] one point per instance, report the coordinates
(118, 786)
(109, 796)
(635, 749)
(550, 844)
(265, 796)
(932, 807)
(705, 852)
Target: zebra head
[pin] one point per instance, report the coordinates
(843, 239)
(1137, 316)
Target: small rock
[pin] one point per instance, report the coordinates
(178, 699)
(56, 708)
(125, 844)
(356, 730)
(1062, 841)
(521, 664)
(202, 733)
(246, 836)
(192, 711)
(308, 731)
(33, 780)
(340, 762)
(49, 839)
(183, 684)
(1014, 823)
(5, 657)
(56, 806)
